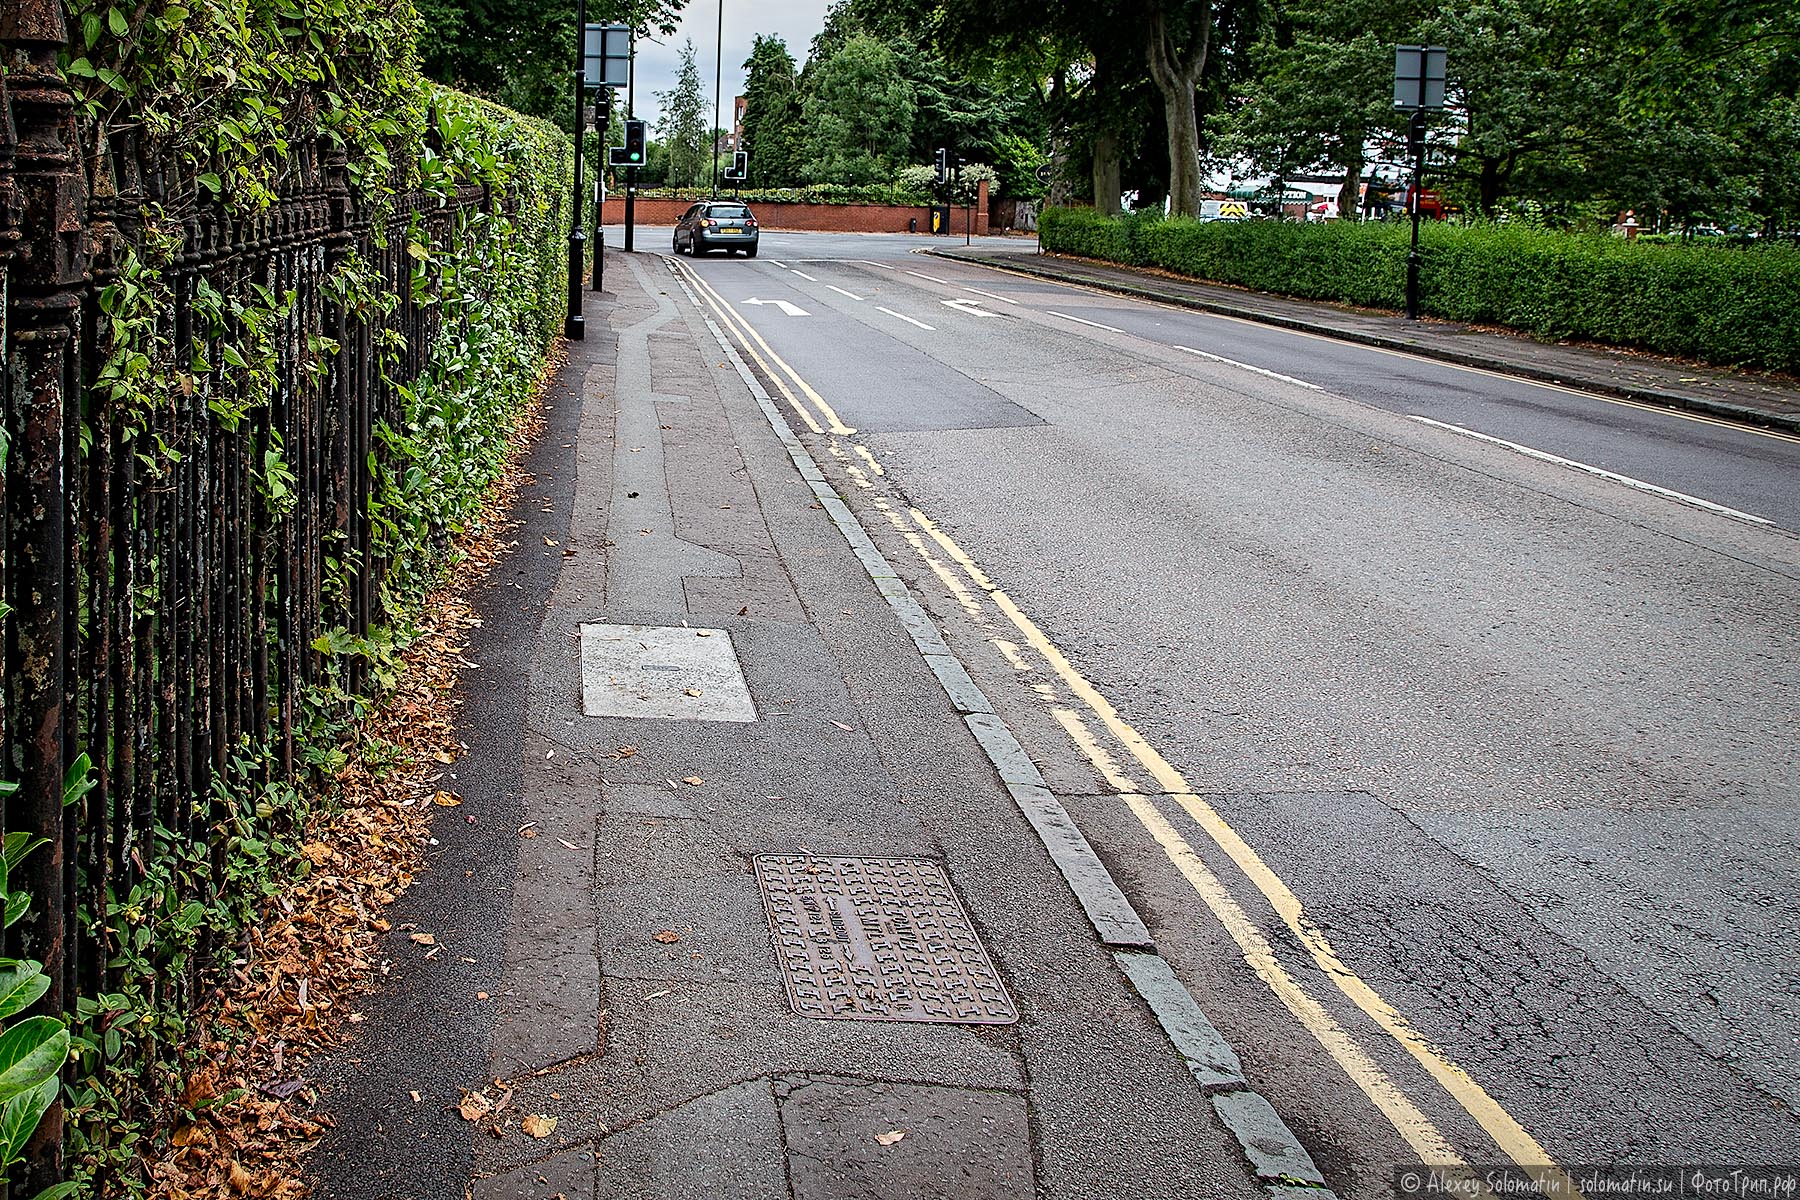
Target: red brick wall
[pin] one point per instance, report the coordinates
(829, 218)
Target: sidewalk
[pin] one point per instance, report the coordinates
(610, 1014)
(1744, 396)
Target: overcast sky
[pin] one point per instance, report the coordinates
(793, 20)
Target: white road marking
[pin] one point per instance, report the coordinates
(840, 291)
(890, 312)
(1085, 321)
(872, 263)
(782, 265)
(972, 307)
(1628, 481)
(1232, 362)
(990, 295)
(792, 310)
(933, 278)
(803, 274)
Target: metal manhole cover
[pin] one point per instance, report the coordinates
(878, 939)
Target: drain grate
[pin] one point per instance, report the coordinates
(878, 939)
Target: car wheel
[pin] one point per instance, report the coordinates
(750, 251)
(677, 245)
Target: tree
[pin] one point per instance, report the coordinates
(772, 114)
(683, 124)
(859, 115)
(521, 52)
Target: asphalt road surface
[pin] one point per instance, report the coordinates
(1441, 725)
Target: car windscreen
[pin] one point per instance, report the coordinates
(728, 212)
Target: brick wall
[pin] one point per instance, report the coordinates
(825, 218)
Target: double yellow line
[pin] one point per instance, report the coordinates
(1419, 1132)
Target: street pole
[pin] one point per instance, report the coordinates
(1415, 132)
(631, 172)
(572, 325)
(602, 123)
(718, 79)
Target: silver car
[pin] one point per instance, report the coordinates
(717, 225)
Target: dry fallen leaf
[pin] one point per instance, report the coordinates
(843, 727)
(549, 541)
(668, 937)
(239, 1178)
(475, 1106)
(444, 756)
(692, 780)
(538, 1126)
(693, 691)
(424, 939)
(890, 1137)
(446, 799)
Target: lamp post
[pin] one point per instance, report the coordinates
(718, 78)
(572, 324)
(1418, 89)
(602, 123)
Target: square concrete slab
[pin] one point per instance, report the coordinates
(669, 672)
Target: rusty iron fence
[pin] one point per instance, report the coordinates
(164, 604)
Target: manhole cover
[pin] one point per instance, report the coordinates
(878, 939)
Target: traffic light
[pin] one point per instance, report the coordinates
(943, 166)
(740, 164)
(634, 143)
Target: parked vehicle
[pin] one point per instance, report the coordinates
(1224, 210)
(726, 225)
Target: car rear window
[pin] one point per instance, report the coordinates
(731, 212)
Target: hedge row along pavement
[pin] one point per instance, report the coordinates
(1733, 306)
(314, 295)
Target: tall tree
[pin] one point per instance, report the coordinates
(772, 114)
(683, 124)
(859, 114)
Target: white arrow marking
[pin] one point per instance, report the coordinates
(792, 310)
(972, 307)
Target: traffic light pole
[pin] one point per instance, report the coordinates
(631, 172)
(602, 123)
(572, 324)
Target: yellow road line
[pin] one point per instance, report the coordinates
(1425, 1139)
(1511, 1137)
(742, 326)
(1010, 653)
(1507, 1133)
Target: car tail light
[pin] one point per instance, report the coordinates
(709, 222)
(750, 222)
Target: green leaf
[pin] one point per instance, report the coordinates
(78, 781)
(59, 1191)
(21, 983)
(17, 905)
(210, 182)
(19, 1120)
(18, 845)
(115, 21)
(31, 1052)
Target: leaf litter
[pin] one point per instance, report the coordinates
(248, 1112)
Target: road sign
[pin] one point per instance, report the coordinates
(1419, 77)
(1043, 173)
(792, 310)
(606, 56)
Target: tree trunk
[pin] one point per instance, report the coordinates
(1106, 174)
(1350, 195)
(1184, 151)
(1060, 193)
(1177, 74)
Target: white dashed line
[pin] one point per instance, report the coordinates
(933, 278)
(890, 312)
(990, 295)
(869, 262)
(1085, 321)
(1628, 481)
(1232, 362)
(840, 291)
(803, 275)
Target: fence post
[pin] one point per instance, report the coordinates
(45, 281)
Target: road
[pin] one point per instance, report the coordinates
(1441, 725)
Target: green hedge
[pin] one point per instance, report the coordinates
(1735, 307)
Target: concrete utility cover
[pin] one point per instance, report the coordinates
(674, 673)
(878, 939)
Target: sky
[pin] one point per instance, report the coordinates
(793, 20)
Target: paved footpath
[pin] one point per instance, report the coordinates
(605, 920)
